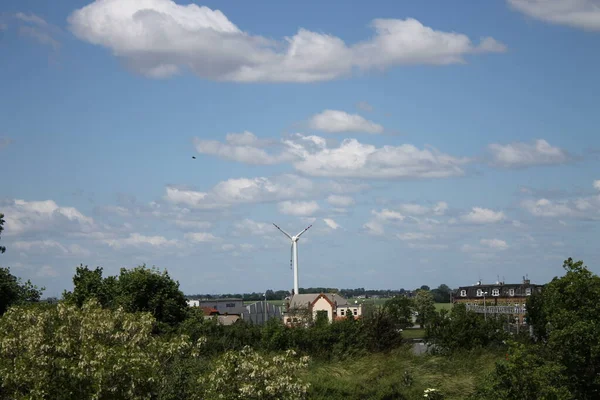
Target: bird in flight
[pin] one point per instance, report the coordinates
(194, 157)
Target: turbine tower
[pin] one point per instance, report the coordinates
(294, 259)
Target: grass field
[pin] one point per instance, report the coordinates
(399, 375)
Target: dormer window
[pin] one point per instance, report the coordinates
(528, 291)
(511, 292)
(479, 292)
(463, 293)
(495, 292)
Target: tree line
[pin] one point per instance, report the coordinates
(441, 294)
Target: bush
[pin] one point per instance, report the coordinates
(66, 352)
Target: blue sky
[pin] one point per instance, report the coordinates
(427, 142)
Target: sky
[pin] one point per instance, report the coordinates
(427, 142)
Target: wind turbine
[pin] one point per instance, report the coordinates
(294, 259)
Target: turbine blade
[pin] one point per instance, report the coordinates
(282, 231)
(292, 256)
(298, 235)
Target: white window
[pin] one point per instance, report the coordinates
(479, 292)
(495, 292)
(342, 312)
(463, 293)
(355, 311)
(528, 291)
(511, 292)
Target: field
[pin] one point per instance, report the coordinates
(399, 375)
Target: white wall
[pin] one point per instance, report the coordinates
(323, 305)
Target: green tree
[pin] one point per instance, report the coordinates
(248, 375)
(67, 352)
(424, 306)
(441, 294)
(400, 311)
(566, 319)
(148, 289)
(136, 289)
(460, 329)
(89, 284)
(2, 248)
(14, 292)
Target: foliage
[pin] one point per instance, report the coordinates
(424, 306)
(147, 289)
(525, 374)
(2, 248)
(67, 352)
(14, 292)
(566, 321)
(249, 375)
(89, 284)
(138, 289)
(400, 311)
(381, 334)
(399, 375)
(460, 329)
(441, 294)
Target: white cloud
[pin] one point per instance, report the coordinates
(159, 38)
(200, 237)
(34, 216)
(480, 215)
(428, 246)
(522, 155)
(581, 207)
(228, 247)
(353, 159)
(312, 155)
(31, 18)
(43, 246)
(597, 184)
(439, 208)
(242, 147)
(136, 240)
(250, 227)
(243, 190)
(298, 208)
(183, 224)
(340, 201)
(410, 236)
(388, 215)
(584, 14)
(494, 244)
(334, 121)
(374, 228)
(331, 223)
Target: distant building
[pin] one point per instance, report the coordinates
(498, 298)
(229, 311)
(302, 307)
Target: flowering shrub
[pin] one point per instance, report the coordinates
(249, 375)
(85, 353)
